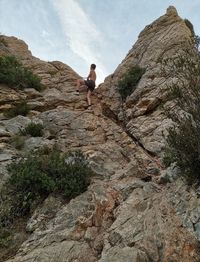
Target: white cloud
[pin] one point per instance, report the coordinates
(45, 33)
(47, 37)
(81, 33)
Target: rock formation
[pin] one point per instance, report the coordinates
(125, 215)
(164, 38)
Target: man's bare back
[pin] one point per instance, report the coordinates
(92, 75)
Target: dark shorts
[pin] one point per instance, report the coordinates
(90, 85)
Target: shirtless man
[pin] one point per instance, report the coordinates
(90, 83)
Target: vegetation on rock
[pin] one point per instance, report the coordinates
(190, 26)
(21, 108)
(33, 129)
(184, 136)
(195, 37)
(16, 76)
(129, 81)
(33, 178)
(17, 141)
(3, 41)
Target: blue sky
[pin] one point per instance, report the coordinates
(81, 32)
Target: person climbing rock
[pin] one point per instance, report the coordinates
(90, 83)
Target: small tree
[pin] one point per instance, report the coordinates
(15, 75)
(190, 26)
(195, 37)
(37, 175)
(129, 81)
(183, 141)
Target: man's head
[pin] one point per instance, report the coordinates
(93, 66)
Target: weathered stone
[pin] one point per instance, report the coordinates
(197, 230)
(124, 254)
(32, 93)
(43, 214)
(165, 37)
(124, 215)
(3, 132)
(34, 143)
(169, 175)
(14, 125)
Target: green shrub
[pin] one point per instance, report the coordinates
(15, 75)
(129, 81)
(183, 141)
(71, 173)
(33, 81)
(33, 129)
(197, 42)
(19, 109)
(168, 157)
(46, 150)
(190, 26)
(195, 37)
(17, 141)
(35, 177)
(5, 238)
(3, 41)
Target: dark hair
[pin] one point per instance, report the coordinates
(93, 66)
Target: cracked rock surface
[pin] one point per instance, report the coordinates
(125, 215)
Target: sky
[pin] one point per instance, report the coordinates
(82, 32)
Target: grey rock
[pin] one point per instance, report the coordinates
(197, 230)
(119, 217)
(170, 174)
(124, 254)
(4, 132)
(13, 125)
(34, 143)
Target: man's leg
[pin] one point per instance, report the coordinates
(79, 83)
(88, 97)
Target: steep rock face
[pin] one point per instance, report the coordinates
(124, 215)
(105, 224)
(62, 111)
(164, 38)
(57, 77)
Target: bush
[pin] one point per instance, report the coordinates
(33, 129)
(197, 42)
(5, 238)
(15, 75)
(168, 157)
(17, 141)
(35, 177)
(190, 26)
(183, 141)
(33, 81)
(19, 109)
(3, 41)
(195, 37)
(129, 81)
